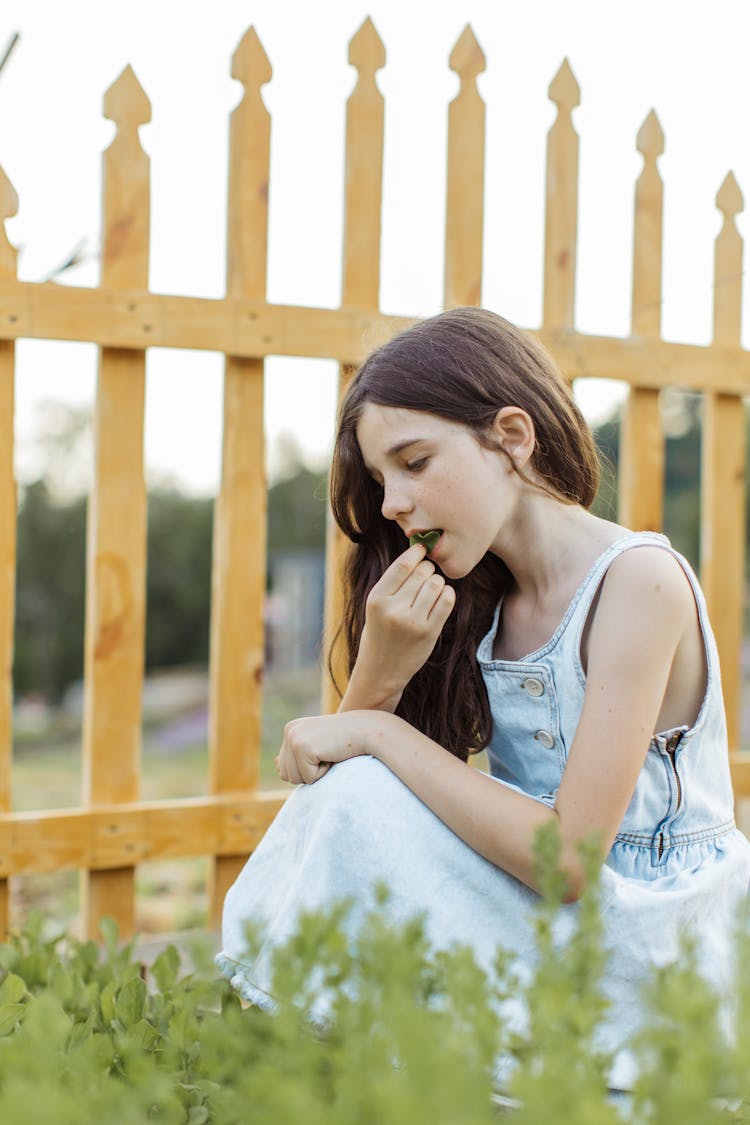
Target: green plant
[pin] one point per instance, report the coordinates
(406, 1035)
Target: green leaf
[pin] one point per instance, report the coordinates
(61, 983)
(34, 926)
(12, 989)
(130, 1002)
(198, 1115)
(107, 1002)
(427, 538)
(85, 958)
(110, 933)
(83, 1031)
(9, 956)
(10, 1014)
(34, 968)
(165, 968)
(145, 1035)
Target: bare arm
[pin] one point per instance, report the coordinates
(644, 609)
(645, 606)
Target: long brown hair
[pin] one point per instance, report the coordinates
(463, 365)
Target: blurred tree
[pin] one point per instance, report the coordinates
(50, 587)
(178, 579)
(681, 414)
(297, 512)
(52, 533)
(50, 594)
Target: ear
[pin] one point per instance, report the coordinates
(514, 429)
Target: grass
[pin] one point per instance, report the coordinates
(47, 771)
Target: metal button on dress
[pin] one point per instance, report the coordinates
(545, 738)
(533, 687)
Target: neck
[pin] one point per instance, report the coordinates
(548, 543)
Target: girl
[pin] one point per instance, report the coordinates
(578, 652)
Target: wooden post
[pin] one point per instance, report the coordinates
(8, 524)
(561, 213)
(361, 287)
(464, 213)
(723, 469)
(641, 469)
(116, 541)
(239, 544)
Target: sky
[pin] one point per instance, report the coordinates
(685, 59)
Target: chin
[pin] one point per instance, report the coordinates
(451, 570)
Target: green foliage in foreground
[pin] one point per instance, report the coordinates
(88, 1035)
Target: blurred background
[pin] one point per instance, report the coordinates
(56, 63)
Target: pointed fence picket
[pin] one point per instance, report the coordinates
(113, 831)
(723, 470)
(642, 440)
(561, 226)
(363, 193)
(239, 542)
(464, 212)
(116, 536)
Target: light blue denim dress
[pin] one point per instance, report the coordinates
(678, 862)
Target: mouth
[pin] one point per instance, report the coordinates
(428, 539)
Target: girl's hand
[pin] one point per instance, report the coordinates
(312, 745)
(404, 616)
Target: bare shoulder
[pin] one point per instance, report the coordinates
(648, 579)
(645, 652)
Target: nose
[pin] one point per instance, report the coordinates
(396, 501)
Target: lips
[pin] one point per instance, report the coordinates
(429, 539)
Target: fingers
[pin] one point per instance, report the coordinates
(287, 768)
(435, 597)
(417, 581)
(400, 570)
(442, 608)
(407, 593)
(420, 600)
(295, 764)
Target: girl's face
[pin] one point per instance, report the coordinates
(435, 474)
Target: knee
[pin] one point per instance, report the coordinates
(356, 775)
(356, 784)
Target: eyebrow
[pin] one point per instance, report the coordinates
(397, 448)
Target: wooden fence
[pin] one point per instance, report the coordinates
(113, 830)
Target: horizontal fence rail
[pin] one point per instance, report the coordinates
(256, 329)
(113, 830)
(117, 835)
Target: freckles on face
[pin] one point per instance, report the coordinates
(435, 474)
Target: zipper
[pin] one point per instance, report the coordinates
(670, 747)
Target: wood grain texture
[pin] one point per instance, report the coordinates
(464, 212)
(561, 206)
(114, 836)
(116, 534)
(239, 540)
(363, 174)
(114, 831)
(724, 455)
(137, 319)
(641, 470)
(363, 190)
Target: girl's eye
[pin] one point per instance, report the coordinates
(415, 466)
